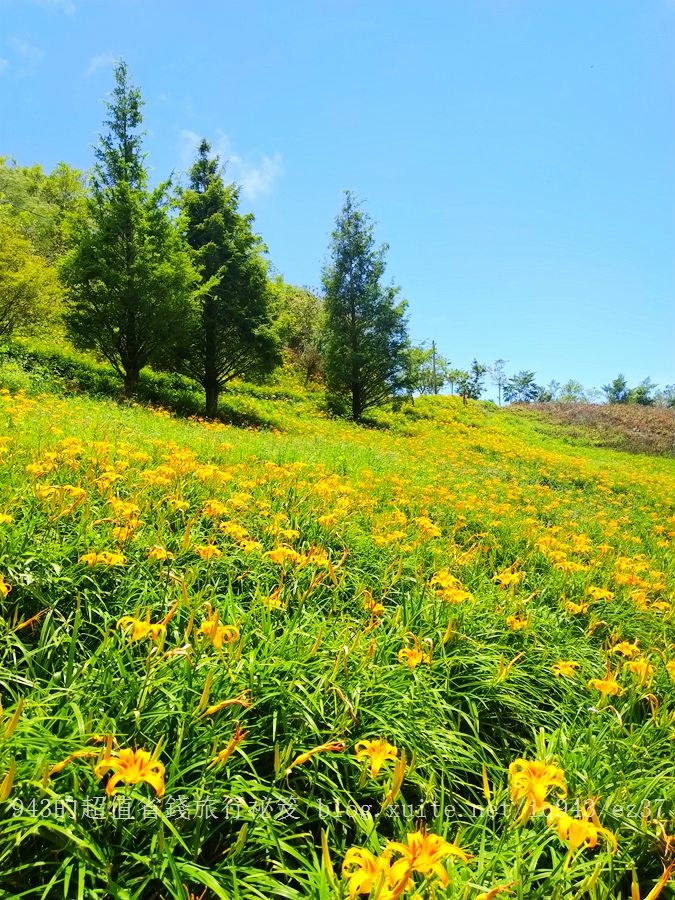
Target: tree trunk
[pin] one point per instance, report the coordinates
(211, 382)
(357, 402)
(130, 381)
(212, 392)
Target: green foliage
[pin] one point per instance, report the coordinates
(430, 523)
(228, 333)
(427, 370)
(298, 316)
(666, 396)
(30, 294)
(365, 334)
(128, 274)
(643, 394)
(471, 384)
(572, 392)
(521, 388)
(498, 377)
(37, 203)
(617, 391)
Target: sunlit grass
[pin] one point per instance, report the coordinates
(249, 607)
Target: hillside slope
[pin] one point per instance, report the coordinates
(254, 610)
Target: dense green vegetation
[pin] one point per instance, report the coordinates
(250, 607)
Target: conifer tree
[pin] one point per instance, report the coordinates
(365, 336)
(228, 333)
(129, 276)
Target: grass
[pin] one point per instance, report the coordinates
(294, 575)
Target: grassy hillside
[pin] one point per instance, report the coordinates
(204, 631)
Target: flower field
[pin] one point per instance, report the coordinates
(430, 659)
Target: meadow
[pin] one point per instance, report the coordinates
(434, 657)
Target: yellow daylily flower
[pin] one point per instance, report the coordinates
(143, 627)
(159, 553)
(579, 832)
(608, 686)
(531, 781)
(642, 668)
(495, 891)
(564, 667)
(328, 747)
(208, 551)
(104, 558)
(234, 742)
(366, 873)
(413, 656)
(131, 767)
(598, 593)
(508, 577)
(626, 649)
(423, 853)
(218, 634)
(378, 752)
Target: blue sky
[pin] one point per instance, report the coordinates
(516, 155)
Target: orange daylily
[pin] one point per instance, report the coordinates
(131, 767)
(531, 781)
(378, 752)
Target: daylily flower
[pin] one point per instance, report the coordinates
(159, 553)
(516, 623)
(143, 627)
(234, 742)
(626, 649)
(579, 832)
(531, 781)
(564, 667)
(233, 530)
(495, 891)
(280, 554)
(249, 546)
(598, 593)
(371, 605)
(378, 752)
(214, 508)
(218, 634)
(131, 766)
(575, 608)
(508, 578)
(104, 558)
(413, 656)
(367, 872)
(208, 551)
(608, 686)
(328, 747)
(423, 853)
(642, 668)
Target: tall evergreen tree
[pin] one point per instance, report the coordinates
(129, 275)
(365, 336)
(228, 333)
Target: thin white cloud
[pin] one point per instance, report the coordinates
(255, 175)
(4, 64)
(67, 6)
(28, 53)
(102, 61)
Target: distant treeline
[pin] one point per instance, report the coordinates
(176, 279)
